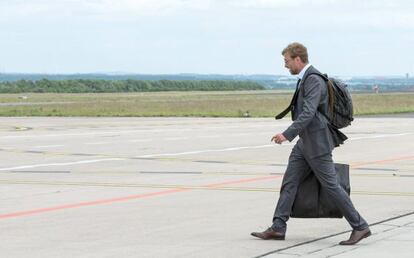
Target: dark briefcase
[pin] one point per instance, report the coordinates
(311, 199)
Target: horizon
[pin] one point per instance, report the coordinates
(201, 74)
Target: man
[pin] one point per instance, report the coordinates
(313, 149)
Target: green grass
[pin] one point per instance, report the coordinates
(211, 104)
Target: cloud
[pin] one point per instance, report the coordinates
(324, 4)
(264, 3)
(374, 12)
(36, 7)
(141, 6)
(193, 30)
(220, 14)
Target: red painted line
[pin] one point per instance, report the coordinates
(383, 161)
(90, 203)
(122, 199)
(242, 181)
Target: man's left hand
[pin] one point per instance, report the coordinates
(278, 138)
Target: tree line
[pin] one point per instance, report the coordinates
(101, 86)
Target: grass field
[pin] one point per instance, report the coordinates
(212, 104)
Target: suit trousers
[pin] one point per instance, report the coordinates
(323, 167)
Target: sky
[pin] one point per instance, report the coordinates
(343, 37)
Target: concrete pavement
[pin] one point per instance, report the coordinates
(188, 187)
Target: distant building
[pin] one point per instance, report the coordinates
(407, 75)
(375, 88)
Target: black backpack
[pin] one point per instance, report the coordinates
(341, 110)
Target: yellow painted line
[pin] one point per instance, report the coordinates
(273, 173)
(236, 174)
(29, 182)
(374, 175)
(383, 193)
(242, 189)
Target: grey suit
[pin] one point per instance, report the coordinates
(313, 150)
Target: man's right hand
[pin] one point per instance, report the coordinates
(278, 138)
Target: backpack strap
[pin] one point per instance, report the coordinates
(283, 113)
(331, 93)
(292, 102)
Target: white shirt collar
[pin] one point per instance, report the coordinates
(300, 75)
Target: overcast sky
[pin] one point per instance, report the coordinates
(348, 37)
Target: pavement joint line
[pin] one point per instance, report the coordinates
(40, 171)
(320, 249)
(194, 187)
(343, 252)
(152, 156)
(387, 230)
(290, 254)
(398, 240)
(391, 225)
(332, 235)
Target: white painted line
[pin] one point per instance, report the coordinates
(61, 164)
(184, 153)
(141, 140)
(97, 143)
(266, 133)
(249, 147)
(379, 136)
(268, 125)
(210, 136)
(176, 138)
(204, 151)
(240, 134)
(48, 146)
(219, 127)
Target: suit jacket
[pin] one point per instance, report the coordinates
(309, 124)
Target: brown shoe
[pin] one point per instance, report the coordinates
(356, 236)
(269, 234)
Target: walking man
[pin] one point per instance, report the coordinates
(313, 149)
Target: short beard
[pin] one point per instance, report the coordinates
(293, 72)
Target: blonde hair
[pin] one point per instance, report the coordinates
(296, 49)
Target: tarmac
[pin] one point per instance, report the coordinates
(189, 187)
